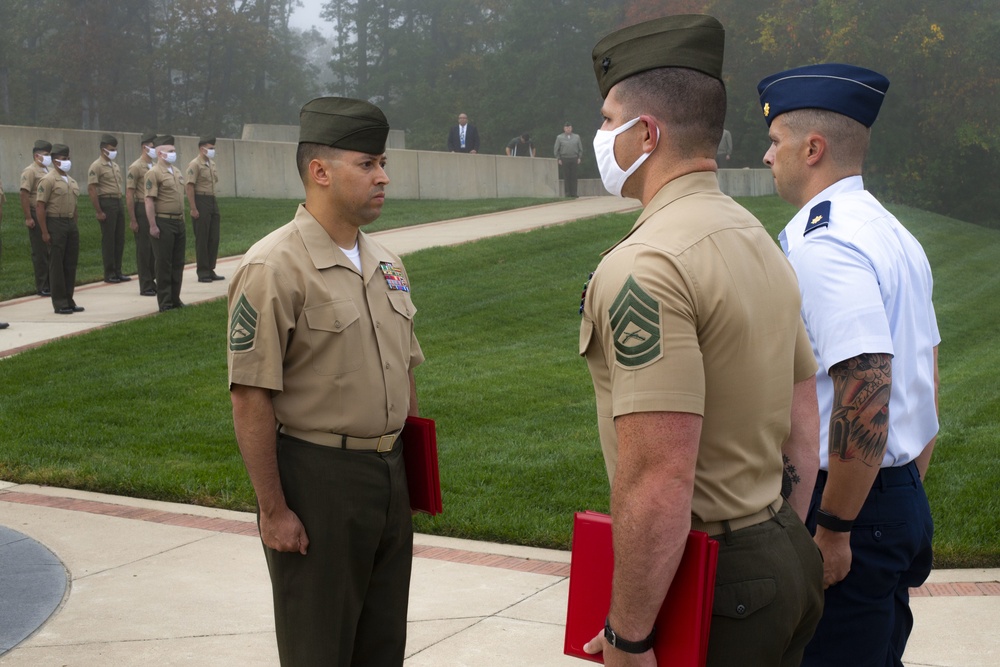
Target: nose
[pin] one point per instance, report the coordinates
(382, 177)
(769, 157)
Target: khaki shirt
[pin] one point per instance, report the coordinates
(335, 347)
(33, 173)
(107, 176)
(136, 175)
(201, 172)
(697, 311)
(59, 194)
(166, 185)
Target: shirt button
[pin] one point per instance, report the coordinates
(387, 365)
(741, 609)
(378, 324)
(337, 324)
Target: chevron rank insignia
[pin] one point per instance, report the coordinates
(242, 326)
(635, 321)
(819, 216)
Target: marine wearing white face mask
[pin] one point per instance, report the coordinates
(612, 175)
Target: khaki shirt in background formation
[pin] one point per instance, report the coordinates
(697, 311)
(166, 185)
(59, 194)
(201, 172)
(33, 173)
(107, 176)
(136, 176)
(334, 347)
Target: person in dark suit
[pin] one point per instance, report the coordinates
(463, 138)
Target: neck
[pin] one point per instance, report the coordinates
(661, 172)
(342, 233)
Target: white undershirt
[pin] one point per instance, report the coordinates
(354, 254)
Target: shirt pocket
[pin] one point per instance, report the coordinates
(335, 337)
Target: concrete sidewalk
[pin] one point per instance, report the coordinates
(124, 581)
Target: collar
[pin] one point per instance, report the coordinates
(794, 232)
(683, 186)
(325, 254)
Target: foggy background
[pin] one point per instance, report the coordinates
(209, 66)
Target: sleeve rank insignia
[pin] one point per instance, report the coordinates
(635, 320)
(819, 216)
(394, 278)
(242, 326)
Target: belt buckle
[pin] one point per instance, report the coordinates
(385, 443)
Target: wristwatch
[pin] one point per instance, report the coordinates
(626, 645)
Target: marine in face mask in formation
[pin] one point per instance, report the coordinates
(104, 185)
(202, 178)
(55, 206)
(135, 200)
(165, 210)
(34, 172)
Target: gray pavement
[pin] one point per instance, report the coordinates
(140, 582)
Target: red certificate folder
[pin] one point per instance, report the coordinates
(683, 622)
(421, 455)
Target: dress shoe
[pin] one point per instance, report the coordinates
(65, 311)
(123, 279)
(112, 279)
(164, 309)
(78, 309)
(216, 276)
(204, 280)
(148, 292)
(3, 325)
(44, 292)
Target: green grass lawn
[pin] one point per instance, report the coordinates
(244, 221)
(141, 408)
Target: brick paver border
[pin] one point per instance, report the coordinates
(249, 529)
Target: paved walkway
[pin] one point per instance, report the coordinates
(125, 581)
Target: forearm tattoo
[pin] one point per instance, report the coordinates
(789, 478)
(859, 423)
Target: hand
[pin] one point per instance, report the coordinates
(282, 531)
(29, 223)
(154, 231)
(46, 239)
(559, 162)
(615, 658)
(102, 216)
(194, 213)
(473, 152)
(134, 227)
(836, 550)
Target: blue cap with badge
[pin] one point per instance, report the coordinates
(849, 90)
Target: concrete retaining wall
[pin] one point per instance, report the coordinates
(266, 169)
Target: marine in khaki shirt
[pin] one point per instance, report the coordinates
(201, 174)
(56, 207)
(165, 185)
(104, 186)
(33, 173)
(135, 202)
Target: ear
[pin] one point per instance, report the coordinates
(652, 135)
(319, 172)
(815, 149)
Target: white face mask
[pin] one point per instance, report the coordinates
(170, 157)
(612, 175)
(112, 155)
(64, 165)
(46, 160)
(151, 152)
(210, 153)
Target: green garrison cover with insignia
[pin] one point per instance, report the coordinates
(635, 320)
(242, 326)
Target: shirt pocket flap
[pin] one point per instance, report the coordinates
(740, 599)
(402, 303)
(334, 316)
(586, 334)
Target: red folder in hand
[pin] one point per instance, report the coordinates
(683, 622)
(421, 456)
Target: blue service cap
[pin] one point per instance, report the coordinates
(849, 90)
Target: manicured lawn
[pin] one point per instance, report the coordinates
(141, 408)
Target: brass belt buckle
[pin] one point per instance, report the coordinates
(385, 443)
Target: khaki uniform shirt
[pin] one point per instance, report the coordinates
(59, 194)
(107, 176)
(166, 185)
(335, 347)
(33, 173)
(136, 176)
(697, 311)
(201, 172)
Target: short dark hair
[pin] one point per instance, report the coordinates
(690, 103)
(307, 152)
(847, 139)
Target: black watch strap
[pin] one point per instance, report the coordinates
(833, 522)
(625, 645)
